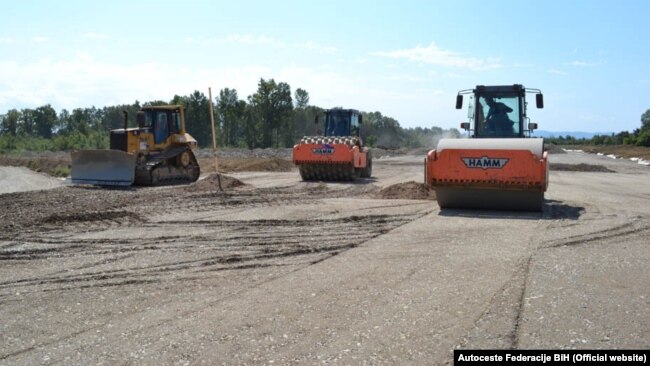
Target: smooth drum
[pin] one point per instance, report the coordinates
(519, 185)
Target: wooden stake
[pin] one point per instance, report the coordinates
(214, 140)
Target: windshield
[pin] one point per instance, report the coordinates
(338, 124)
(498, 116)
(156, 117)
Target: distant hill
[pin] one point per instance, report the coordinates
(576, 134)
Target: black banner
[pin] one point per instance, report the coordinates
(468, 357)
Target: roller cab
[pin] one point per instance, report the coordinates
(499, 166)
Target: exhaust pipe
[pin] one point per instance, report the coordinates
(126, 119)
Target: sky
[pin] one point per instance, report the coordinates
(405, 59)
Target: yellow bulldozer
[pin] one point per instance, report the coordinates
(159, 151)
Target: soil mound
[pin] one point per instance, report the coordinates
(264, 165)
(580, 168)
(408, 191)
(211, 183)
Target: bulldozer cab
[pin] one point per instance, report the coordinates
(342, 122)
(162, 121)
(499, 111)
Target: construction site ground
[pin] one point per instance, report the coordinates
(273, 270)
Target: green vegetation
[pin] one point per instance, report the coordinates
(270, 117)
(638, 137)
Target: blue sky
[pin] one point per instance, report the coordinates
(406, 59)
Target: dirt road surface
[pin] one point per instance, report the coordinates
(284, 272)
(21, 179)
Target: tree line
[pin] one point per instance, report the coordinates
(639, 137)
(271, 117)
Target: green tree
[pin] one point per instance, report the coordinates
(113, 117)
(44, 121)
(645, 121)
(230, 111)
(197, 118)
(78, 122)
(9, 124)
(178, 100)
(26, 124)
(302, 98)
(272, 103)
(62, 122)
(251, 133)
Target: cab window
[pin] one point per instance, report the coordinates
(175, 125)
(354, 125)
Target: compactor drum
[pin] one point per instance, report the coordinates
(339, 154)
(500, 166)
(159, 151)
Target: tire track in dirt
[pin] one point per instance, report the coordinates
(229, 245)
(505, 312)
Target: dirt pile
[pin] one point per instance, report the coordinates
(408, 191)
(211, 183)
(580, 168)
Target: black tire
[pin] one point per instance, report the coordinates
(303, 173)
(367, 171)
(195, 172)
(358, 172)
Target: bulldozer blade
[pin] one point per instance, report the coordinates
(490, 199)
(103, 167)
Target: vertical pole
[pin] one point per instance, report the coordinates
(214, 140)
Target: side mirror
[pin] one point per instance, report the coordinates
(140, 119)
(532, 126)
(316, 120)
(360, 119)
(459, 101)
(464, 125)
(539, 99)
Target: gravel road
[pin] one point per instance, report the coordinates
(20, 179)
(284, 272)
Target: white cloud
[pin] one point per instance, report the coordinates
(91, 35)
(556, 72)
(316, 47)
(249, 39)
(83, 81)
(581, 64)
(7, 40)
(410, 78)
(235, 38)
(434, 55)
(40, 39)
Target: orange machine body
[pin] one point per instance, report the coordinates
(329, 154)
(500, 165)
(336, 155)
(487, 169)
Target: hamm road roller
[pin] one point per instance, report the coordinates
(499, 167)
(338, 155)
